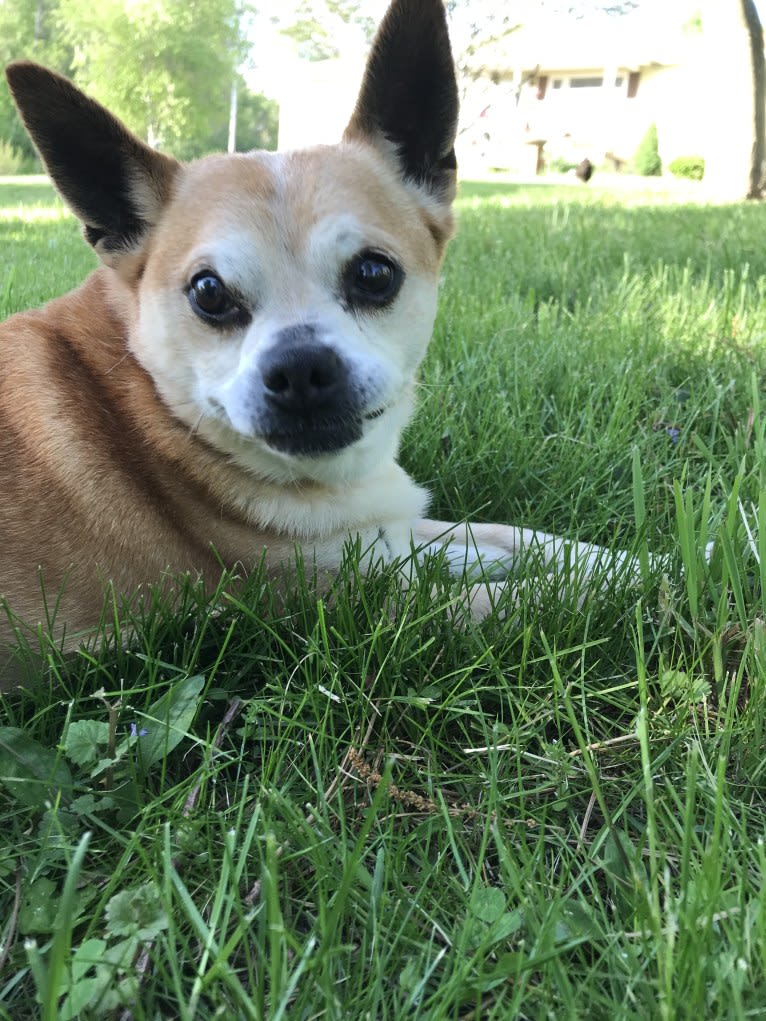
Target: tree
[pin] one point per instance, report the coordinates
(755, 34)
(164, 66)
(734, 160)
(29, 31)
(257, 124)
(478, 31)
(323, 29)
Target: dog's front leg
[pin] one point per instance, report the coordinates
(486, 557)
(491, 551)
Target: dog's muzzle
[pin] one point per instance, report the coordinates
(311, 403)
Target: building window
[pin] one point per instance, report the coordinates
(586, 83)
(562, 86)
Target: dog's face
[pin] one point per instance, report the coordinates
(280, 302)
(284, 315)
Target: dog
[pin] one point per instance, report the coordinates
(232, 382)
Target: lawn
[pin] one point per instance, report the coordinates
(347, 808)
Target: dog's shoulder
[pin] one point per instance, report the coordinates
(66, 322)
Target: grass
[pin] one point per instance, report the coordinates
(348, 809)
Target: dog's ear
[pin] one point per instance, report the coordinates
(114, 182)
(409, 95)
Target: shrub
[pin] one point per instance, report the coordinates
(559, 165)
(692, 167)
(647, 160)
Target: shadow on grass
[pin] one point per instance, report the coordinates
(557, 237)
(36, 230)
(572, 234)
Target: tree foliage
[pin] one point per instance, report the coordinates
(28, 29)
(165, 67)
(320, 26)
(478, 28)
(257, 125)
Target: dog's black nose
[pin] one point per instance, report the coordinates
(304, 377)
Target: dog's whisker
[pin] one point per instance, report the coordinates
(193, 431)
(182, 406)
(116, 365)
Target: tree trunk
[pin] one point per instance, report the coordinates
(755, 33)
(734, 107)
(39, 21)
(232, 142)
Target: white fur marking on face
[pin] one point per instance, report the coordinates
(286, 275)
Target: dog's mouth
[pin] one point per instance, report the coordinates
(314, 437)
(306, 435)
(311, 440)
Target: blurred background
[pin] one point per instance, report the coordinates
(647, 87)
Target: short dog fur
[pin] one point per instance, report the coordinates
(232, 382)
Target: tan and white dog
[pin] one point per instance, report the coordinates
(233, 381)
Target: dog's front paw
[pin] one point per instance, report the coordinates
(494, 552)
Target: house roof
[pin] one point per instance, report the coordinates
(564, 43)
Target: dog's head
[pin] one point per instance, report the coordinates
(281, 302)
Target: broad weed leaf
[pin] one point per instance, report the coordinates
(167, 721)
(136, 912)
(86, 741)
(39, 907)
(34, 775)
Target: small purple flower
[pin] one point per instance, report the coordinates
(135, 732)
(673, 433)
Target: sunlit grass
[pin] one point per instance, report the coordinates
(26, 215)
(372, 814)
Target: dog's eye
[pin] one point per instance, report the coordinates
(212, 301)
(372, 279)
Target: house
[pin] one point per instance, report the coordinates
(547, 95)
(555, 91)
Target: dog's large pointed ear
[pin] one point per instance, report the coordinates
(114, 182)
(409, 96)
